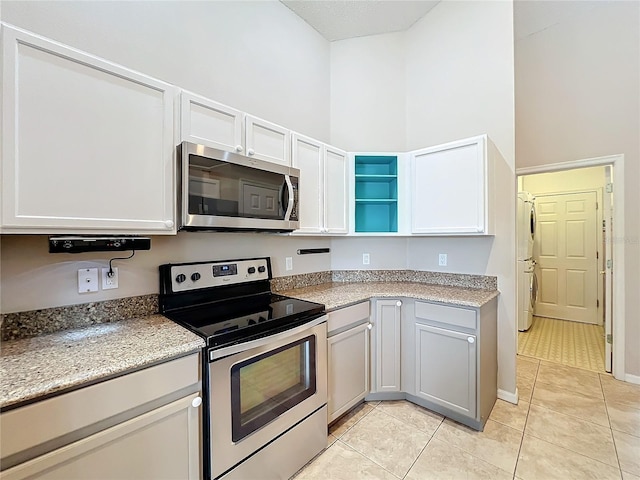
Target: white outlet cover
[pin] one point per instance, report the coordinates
(442, 259)
(107, 281)
(289, 263)
(87, 280)
(366, 259)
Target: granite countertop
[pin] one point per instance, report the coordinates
(338, 295)
(34, 367)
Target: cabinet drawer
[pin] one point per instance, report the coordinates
(347, 316)
(80, 409)
(459, 317)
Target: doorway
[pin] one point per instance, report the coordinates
(571, 309)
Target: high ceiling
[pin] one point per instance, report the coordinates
(340, 19)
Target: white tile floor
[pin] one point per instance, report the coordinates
(569, 424)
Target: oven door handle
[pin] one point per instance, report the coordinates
(243, 347)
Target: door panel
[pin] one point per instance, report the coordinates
(566, 252)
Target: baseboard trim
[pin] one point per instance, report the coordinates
(508, 396)
(632, 378)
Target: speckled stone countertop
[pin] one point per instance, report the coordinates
(337, 295)
(34, 367)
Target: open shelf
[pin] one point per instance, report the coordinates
(376, 193)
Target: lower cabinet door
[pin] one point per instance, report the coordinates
(161, 444)
(446, 368)
(348, 369)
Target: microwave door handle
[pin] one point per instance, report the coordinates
(289, 197)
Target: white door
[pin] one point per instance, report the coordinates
(607, 198)
(566, 252)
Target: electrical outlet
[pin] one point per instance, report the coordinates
(87, 280)
(109, 282)
(366, 259)
(442, 259)
(289, 263)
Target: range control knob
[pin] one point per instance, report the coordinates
(261, 269)
(181, 278)
(252, 270)
(195, 276)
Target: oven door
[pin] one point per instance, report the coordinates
(261, 392)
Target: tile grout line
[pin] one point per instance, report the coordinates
(613, 438)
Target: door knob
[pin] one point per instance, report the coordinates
(471, 340)
(370, 326)
(251, 151)
(196, 402)
(239, 148)
(398, 303)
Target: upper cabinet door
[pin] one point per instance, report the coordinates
(335, 190)
(210, 123)
(88, 145)
(267, 141)
(449, 189)
(308, 157)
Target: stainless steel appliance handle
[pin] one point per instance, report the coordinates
(243, 347)
(287, 214)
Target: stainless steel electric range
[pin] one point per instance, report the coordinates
(264, 366)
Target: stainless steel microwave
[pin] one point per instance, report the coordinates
(219, 190)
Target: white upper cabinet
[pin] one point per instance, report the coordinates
(210, 123)
(88, 146)
(451, 188)
(215, 125)
(308, 157)
(335, 190)
(267, 141)
(323, 186)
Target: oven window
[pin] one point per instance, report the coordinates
(268, 385)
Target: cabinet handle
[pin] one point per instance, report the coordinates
(196, 402)
(168, 223)
(471, 340)
(239, 148)
(369, 326)
(398, 303)
(251, 151)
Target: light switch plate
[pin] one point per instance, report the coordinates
(87, 280)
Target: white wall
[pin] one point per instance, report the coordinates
(458, 82)
(32, 278)
(565, 181)
(368, 93)
(577, 97)
(256, 56)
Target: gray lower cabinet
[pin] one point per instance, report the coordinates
(456, 360)
(348, 358)
(140, 426)
(385, 355)
(446, 368)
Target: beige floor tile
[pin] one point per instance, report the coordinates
(525, 388)
(497, 444)
(624, 418)
(628, 448)
(581, 406)
(440, 460)
(514, 416)
(339, 462)
(543, 460)
(580, 436)
(620, 392)
(527, 367)
(387, 441)
(414, 415)
(350, 419)
(629, 476)
(570, 379)
(331, 439)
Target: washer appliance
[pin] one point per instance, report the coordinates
(527, 280)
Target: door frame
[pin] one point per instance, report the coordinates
(618, 234)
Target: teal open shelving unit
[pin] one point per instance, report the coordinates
(376, 193)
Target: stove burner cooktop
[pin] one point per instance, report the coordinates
(229, 302)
